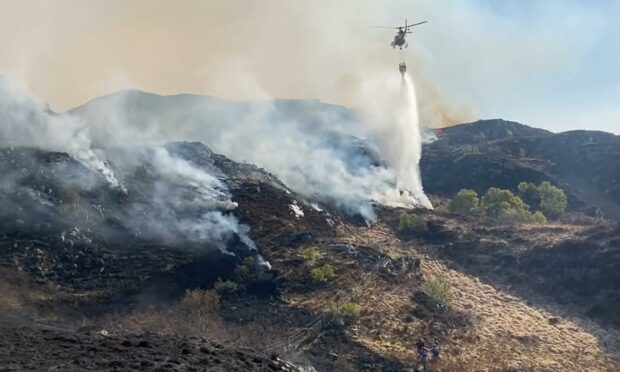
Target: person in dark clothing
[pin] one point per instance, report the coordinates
(423, 358)
(419, 346)
(435, 353)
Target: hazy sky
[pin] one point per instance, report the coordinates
(552, 64)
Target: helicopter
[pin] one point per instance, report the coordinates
(399, 38)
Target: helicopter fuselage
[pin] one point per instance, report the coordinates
(399, 40)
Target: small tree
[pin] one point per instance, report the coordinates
(506, 206)
(553, 200)
(549, 199)
(529, 193)
(465, 202)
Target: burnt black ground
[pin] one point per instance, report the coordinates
(38, 349)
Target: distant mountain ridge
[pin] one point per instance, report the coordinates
(501, 153)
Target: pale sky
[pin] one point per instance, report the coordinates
(551, 64)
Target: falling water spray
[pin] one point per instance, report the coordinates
(407, 164)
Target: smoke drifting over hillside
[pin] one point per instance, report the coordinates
(282, 50)
(182, 202)
(239, 49)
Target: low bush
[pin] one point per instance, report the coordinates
(310, 254)
(225, 287)
(351, 310)
(539, 218)
(411, 223)
(438, 288)
(323, 273)
(347, 309)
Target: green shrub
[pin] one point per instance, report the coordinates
(529, 193)
(323, 273)
(438, 288)
(225, 287)
(351, 310)
(310, 254)
(465, 202)
(347, 309)
(553, 200)
(539, 217)
(412, 223)
(505, 206)
(549, 199)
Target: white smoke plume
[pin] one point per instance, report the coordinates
(25, 122)
(179, 186)
(309, 145)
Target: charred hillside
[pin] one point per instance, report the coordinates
(64, 224)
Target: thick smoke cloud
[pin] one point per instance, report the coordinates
(232, 49)
(309, 145)
(525, 61)
(238, 57)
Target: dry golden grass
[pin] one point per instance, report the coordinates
(507, 332)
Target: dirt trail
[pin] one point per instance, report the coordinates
(507, 332)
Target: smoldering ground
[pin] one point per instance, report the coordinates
(141, 187)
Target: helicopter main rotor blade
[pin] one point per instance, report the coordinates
(417, 24)
(390, 27)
